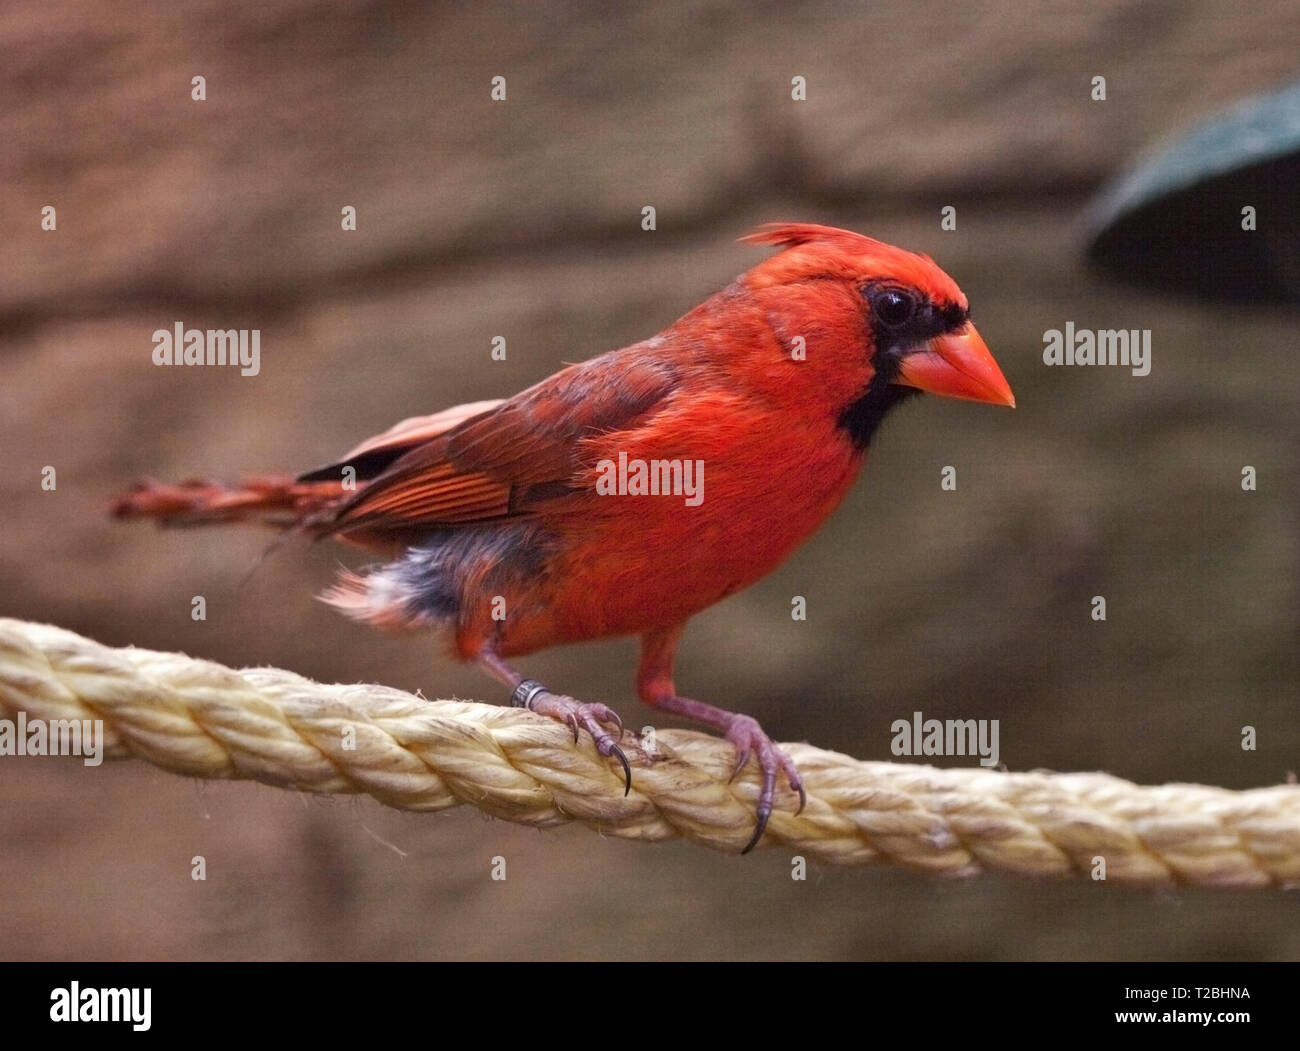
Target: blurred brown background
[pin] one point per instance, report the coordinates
(522, 219)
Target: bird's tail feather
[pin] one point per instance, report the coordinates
(275, 500)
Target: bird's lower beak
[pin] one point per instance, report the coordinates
(956, 365)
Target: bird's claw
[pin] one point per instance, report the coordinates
(742, 757)
(580, 715)
(749, 739)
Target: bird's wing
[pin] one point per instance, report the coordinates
(507, 460)
(373, 455)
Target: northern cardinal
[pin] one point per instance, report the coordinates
(518, 524)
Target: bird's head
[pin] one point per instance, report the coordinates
(886, 321)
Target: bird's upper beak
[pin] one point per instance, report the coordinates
(956, 365)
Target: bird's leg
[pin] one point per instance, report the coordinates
(531, 694)
(654, 683)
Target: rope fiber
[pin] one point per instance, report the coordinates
(200, 719)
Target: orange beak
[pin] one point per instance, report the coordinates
(957, 365)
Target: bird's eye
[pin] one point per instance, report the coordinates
(893, 307)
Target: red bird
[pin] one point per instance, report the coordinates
(519, 524)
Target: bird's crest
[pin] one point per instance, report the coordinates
(811, 250)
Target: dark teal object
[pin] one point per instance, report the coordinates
(1174, 221)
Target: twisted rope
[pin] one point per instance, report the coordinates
(200, 719)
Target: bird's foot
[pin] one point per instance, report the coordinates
(577, 715)
(750, 739)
